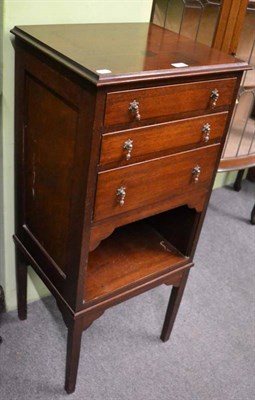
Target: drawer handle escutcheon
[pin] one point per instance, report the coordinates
(214, 97)
(134, 108)
(128, 145)
(196, 173)
(206, 132)
(121, 194)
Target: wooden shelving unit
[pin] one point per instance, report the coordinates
(102, 214)
(132, 254)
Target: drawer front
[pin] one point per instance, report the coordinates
(125, 146)
(141, 185)
(127, 106)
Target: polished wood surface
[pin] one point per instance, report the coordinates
(168, 100)
(160, 139)
(102, 229)
(232, 163)
(130, 51)
(72, 219)
(153, 181)
(173, 306)
(229, 25)
(50, 174)
(132, 253)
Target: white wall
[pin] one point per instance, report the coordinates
(32, 12)
(2, 276)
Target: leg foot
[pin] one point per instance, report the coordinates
(253, 215)
(238, 182)
(21, 281)
(2, 301)
(73, 354)
(173, 306)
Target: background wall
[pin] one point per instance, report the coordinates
(1, 149)
(32, 12)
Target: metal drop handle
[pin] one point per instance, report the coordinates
(214, 97)
(121, 194)
(196, 173)
(128, 146)
(206, 132)
(134, 109)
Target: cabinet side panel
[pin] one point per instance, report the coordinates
(56, 156)
(51, 126)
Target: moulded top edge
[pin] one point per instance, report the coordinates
(107, 54)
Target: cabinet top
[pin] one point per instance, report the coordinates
(114, 53)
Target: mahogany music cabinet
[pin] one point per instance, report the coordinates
(119, 131)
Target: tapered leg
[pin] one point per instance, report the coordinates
(173, 306)
(21, 281)
(238, 181)
(2, 305)
(253, 215)
(73, 354)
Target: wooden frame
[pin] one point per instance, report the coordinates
(229, 25)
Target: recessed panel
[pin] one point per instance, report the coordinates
(51, 126)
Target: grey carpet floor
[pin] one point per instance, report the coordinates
(211, 353)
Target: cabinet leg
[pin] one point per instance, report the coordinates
(173, 306)
(21, 282)
(73, 354)
(253, 215)
(238, 181)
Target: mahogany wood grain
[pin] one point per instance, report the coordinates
(50, 176)
(53, 128)
(133, 252)
(161, 138)
(168, 100)
(153, 181)
(236, 163)
(132, 52)
(168, 277)
(223, 21)
(174, 280)
(66, 200)
(239, 21)
(232, 14)
(73, 354)
(173, 306)
(102, 229)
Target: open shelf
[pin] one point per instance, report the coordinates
(130, 255)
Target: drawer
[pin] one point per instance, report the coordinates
(166, 101)
(141, 185)
(125, 146)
